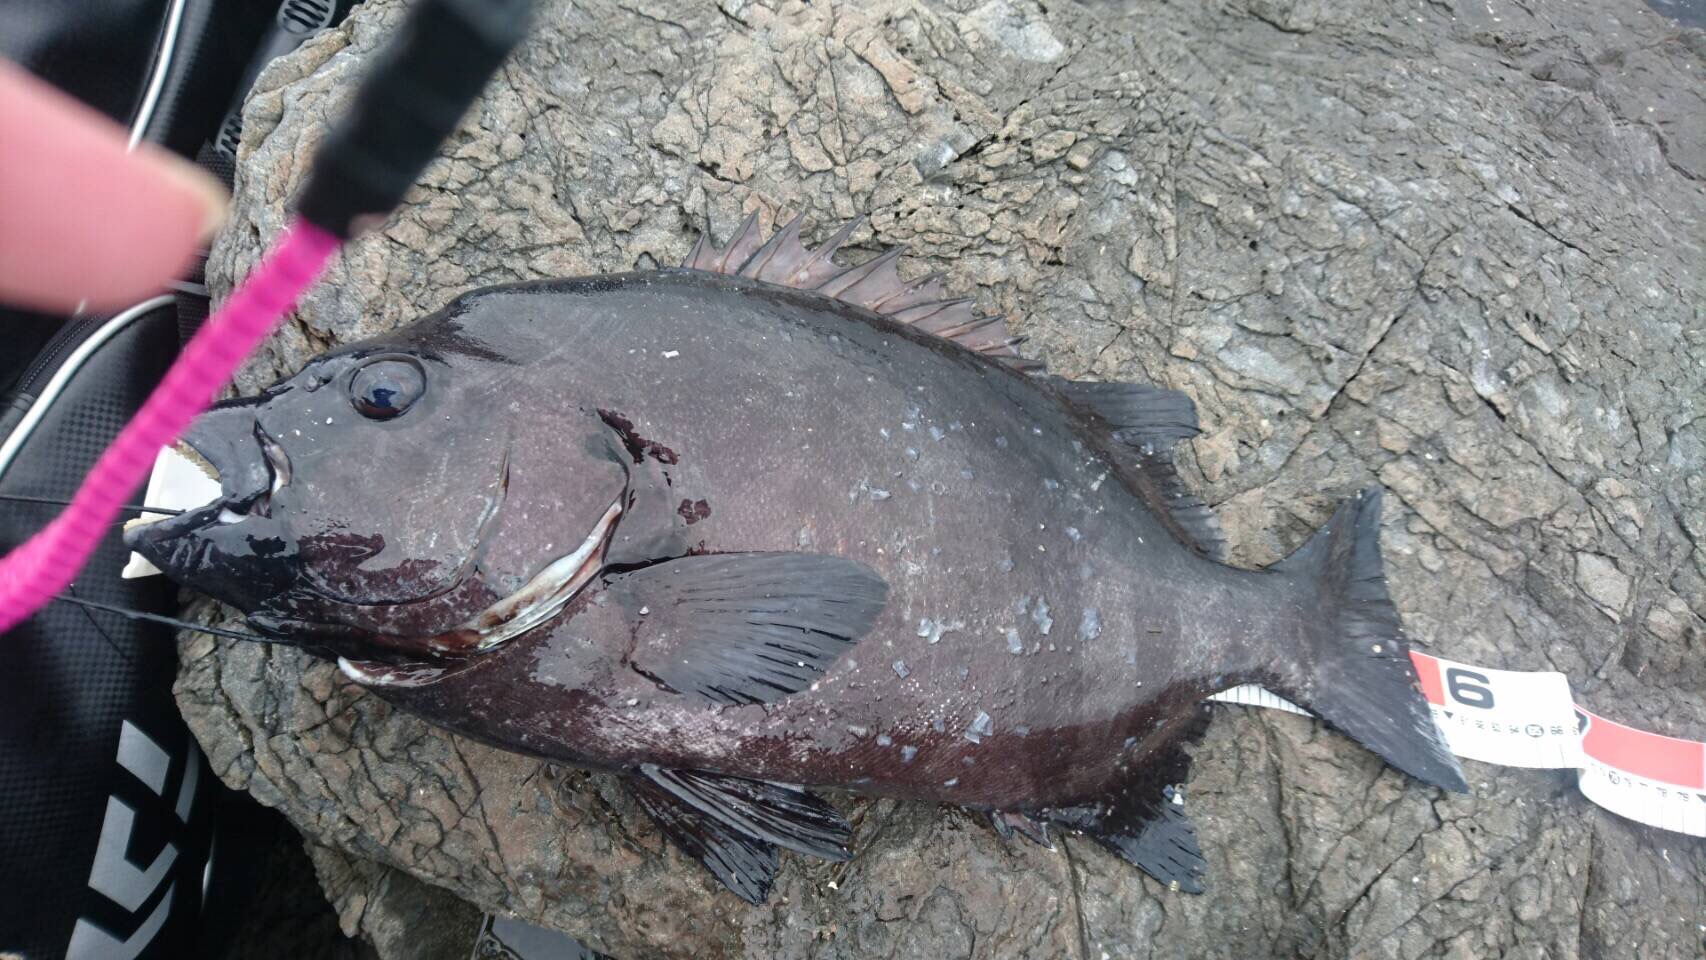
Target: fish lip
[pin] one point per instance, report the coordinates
(144, 537)
(370, 673)
(156, 540)
(278, 466)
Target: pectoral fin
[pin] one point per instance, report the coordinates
(746, 627)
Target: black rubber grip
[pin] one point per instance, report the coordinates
(415, 92)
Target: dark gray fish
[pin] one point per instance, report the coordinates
(766, 521)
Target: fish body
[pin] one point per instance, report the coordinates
(728, 529)
(1002, 528)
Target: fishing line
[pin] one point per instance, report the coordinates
(420, 85)
(96, 624)
(169, 621)
(54, 501)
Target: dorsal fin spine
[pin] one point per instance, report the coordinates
(936, 316)
(844, 282)
(778, 242)
(875, 284)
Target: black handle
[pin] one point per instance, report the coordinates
(415, 92)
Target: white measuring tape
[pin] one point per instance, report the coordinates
(1519, 719)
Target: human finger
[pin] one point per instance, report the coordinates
(83, 220)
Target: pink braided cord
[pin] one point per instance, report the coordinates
(45, 564)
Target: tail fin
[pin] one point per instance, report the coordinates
(1355, 671)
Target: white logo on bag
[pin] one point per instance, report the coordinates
(113, 875)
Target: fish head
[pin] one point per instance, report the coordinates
(366, 505)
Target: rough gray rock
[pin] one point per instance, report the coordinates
(399, 915)
(1455, 248)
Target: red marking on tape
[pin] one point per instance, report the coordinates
(1427, 672)
(1653, 756)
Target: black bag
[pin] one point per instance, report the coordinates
(107, 809)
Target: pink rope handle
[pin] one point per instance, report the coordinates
(37, 570)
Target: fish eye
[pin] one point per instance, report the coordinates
(386, 387)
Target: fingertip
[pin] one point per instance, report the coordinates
(204, 198)
(88, 221)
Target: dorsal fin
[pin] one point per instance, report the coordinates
(1138, 414)
(710, 258)
(875, 285)
(1150, 420)
(1193, 517)
(1147, 419)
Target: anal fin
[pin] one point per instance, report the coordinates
(745, 865)
(1144, 820)
(776, 813)
(1157, 838)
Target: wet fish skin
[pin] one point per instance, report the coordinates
(942, 549)
(729, 417)
(383, 523)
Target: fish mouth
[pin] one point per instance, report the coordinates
(212, 549)
(204, 547)
(247, 486)
(536, 601)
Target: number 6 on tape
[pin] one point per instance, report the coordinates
(1508, 717)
